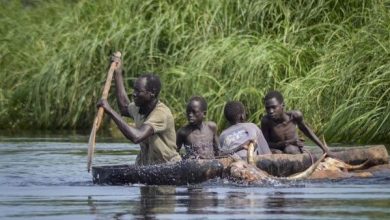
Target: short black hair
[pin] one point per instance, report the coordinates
(201, 100)
(153, 83)
(274, 94)
(233, 109)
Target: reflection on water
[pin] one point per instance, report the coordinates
(199, 201)
(47, 179)
(155, 200)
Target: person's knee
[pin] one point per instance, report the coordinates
(291, 149)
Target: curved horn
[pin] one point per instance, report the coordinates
(324, 142)
(305, 174)
(348, 166)
(250, 153)
(356, 167)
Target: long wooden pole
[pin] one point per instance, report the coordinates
(99, 115)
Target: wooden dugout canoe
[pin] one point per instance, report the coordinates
(287, 164)
(197, 171)
(179, 173)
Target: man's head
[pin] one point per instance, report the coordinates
(196, 110)
(274, 105)
(146, 88)
(235, 112)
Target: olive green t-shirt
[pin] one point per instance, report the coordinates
(161, 146)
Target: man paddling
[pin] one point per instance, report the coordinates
(154, 128)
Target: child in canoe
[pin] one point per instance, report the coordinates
(234, 140)
(199, 137)
(280, 127)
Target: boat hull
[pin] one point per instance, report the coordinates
(197, 171)
(179, 173)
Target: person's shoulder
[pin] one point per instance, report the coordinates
(212, 125)
(162, 105)
(249, 124)
(296, 115)
(225, 131)
(162, 108)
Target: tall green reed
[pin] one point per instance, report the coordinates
(329, 58)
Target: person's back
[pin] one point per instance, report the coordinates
(233, 140)
(199, 138)
(241, 133)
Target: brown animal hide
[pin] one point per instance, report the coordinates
(244, 171)
(331, 168)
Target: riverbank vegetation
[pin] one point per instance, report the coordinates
(329, 58)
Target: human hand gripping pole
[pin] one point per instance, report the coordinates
(99, 115)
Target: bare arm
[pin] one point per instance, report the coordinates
(262, 144)
(308, 132)
(179, 139)
(136, 135)
(264, 129)
(216, 147)
(120, 91)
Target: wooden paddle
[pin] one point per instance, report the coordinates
(99, 115)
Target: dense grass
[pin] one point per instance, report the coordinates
(330, 58)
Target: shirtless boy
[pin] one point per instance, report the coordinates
(279, 127)
(234, 139)
(198, 137)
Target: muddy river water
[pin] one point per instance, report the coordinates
(46, 178)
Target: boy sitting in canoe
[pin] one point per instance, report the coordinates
(279, 127)
(198, 137)
(234, 140)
